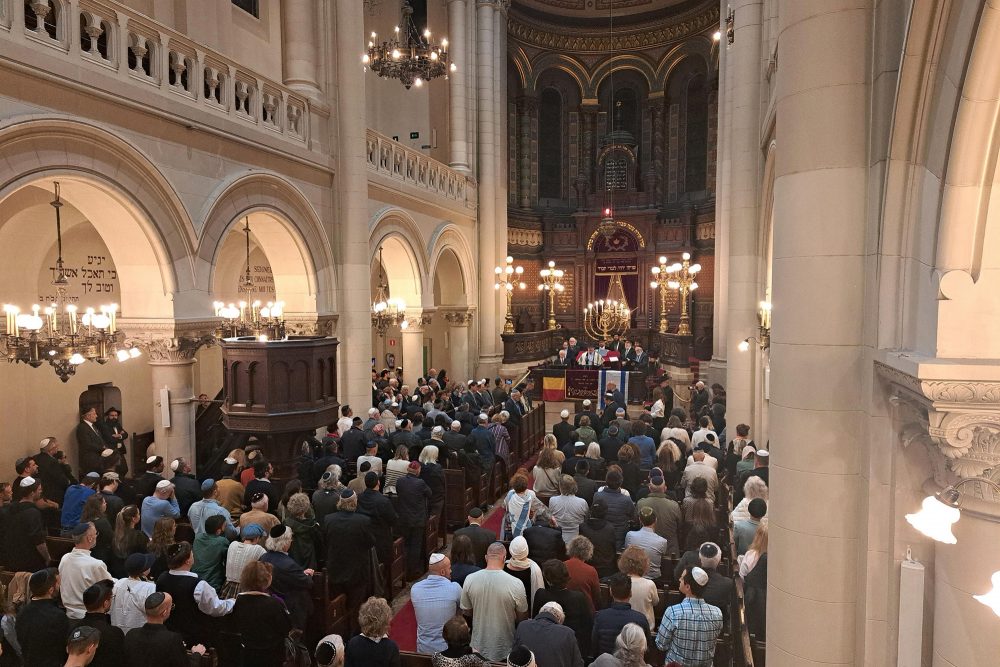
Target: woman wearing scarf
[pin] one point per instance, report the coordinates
(524, 569)
(520, 506)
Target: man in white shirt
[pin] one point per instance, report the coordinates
(371, 455)
(78, 570)
(346, 419)
(703, 430)
(698, 468)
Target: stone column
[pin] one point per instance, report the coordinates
(501, 141)
(818, 383)
(717, 367)
(589, 110)
(656, 111)
(743, 290)
(351, 248)
(413, 346)
(299, 49)
(171, 363)
(458, 332)
(526, 110)
(490, 303)
(457, 90)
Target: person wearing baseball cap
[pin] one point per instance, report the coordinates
(146, 483)
(161, 504)
(688, 630)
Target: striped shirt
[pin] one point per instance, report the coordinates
(688, 632)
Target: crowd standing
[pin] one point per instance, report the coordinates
(610, 498)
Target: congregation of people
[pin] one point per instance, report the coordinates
(610, 498)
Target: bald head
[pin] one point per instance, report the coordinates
(442, 568)
(495, 556)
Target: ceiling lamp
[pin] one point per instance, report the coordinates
(939, 512)
(55, 335)
(408, 55)
(992, 599)
(386, 312)
(264, 321)
(607, 226)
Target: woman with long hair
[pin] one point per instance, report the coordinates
(163, 536)
(128, 539)
(546, 474)
(699, 516)
(94, 511)
(754, 487)
(628, 461)
(757, 549)
(668, 460)
(395, 469)
(463, 559)
(550, 442)
(675, 429)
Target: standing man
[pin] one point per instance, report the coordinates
(78, 570)
(155, 639)
(480, 537)
(97, 599)
(50, 472)
(89, 441)
(42, 625)
(146, 484)
(188, 489)
(414, 498)
(115, 435)
(209, 506)
(496, 601)
(261, 483)
(24, 529)
(161, 504)
(688, 630)
(435, 601)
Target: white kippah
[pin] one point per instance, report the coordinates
(552, 608)
(175, 464)
(399, 422)
(105, 453)
(586, 402)
(699, 575)
(763, 453)
(435, 559)
(151, 460)
(229, 461)
(564, 414)
(456, 424)
(163, 483)
(437, 430)
(27, 481)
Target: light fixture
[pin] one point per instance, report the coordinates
(386, 312)
(250, 318)
(717, 35)
(942, 510)
(52, 334)
(744, 344)
(607, 226)
(684, 282)
(764, 324)
(992, 598)
(409, 56)
(661, 281)
(509, 277)
(731, 27)
(551, 283)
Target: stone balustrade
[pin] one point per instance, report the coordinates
(400, 164)
(106, 35)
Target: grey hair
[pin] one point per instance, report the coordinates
(555, 609)
(755, 487)
(429, 454)
(334, 481)
(580, 547)
(282, 543)
(593, 451)
(630, 646)
(298, 505)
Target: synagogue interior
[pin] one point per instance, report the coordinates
(437, 334)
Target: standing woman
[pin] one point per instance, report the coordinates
(520, 506)
(373, 648)
(262, 620)
(127, 540)
(547, 473)
(395, 469)
(433, 475)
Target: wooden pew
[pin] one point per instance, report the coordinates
(458, 498)
(58, 547)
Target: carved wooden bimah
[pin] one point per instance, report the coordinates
(281, 391)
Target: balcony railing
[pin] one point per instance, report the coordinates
(398, 163)
(106, 35)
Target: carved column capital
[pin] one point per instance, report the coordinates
(958, 421)
(458, 318)
(169, 341)
(417, 321)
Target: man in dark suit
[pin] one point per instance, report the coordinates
(469, 397)
(627, 353)
(145, 485)
(588, 411)
(155, 639)
(454, 441)
(585, 487)
(115, 435)
(579, 454)
(572, 350)
(383, 517)
(617, 396)
(353, 443)
(89, 441)
(480, 537)
(97, 600)
(53, 476)
(499, 391)
(515, 408)
(640, 360)
(261, 483)
(348, 537)
(544, 541)
(563, 430)
(616, 344)
(562, 359)
(464, 416)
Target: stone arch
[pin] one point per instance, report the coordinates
(404, 260)
(448, 239)
(619, 63)
(137, 212)
(286, 227)
(701, 49)
(549, 61)
(518, 62)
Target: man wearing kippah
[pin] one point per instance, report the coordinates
(208, 506)
(161, 504)
(41, 624)
(78, 570)
(435, 602)
(187, 489)
(154, 638)
(688, 630)
(145, 485)
(24, 529)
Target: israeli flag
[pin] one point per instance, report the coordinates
(619, 378)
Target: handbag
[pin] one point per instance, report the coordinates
(296, 655)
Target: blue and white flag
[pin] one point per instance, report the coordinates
(620, 378)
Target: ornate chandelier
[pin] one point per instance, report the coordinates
(53, 334)
(386, 312)
(264, 321)
(607, 226)
(408, 56)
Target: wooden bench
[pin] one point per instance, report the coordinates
(58, 547)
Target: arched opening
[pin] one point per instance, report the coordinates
(394, 266)
(111, 254)
(550, 137)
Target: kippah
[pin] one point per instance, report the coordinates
(83, 632)
(92, 475)
(229, 461)
(475, 512)
(437, 430)
(456, 423)
(699, 575)
(257, 497)
(207, 484)
(365, 466)
(579, 444)
(163, 483)
(151, 460)
(154, 600)
(709, 550)
(414, 466)
(27, 481)
(278, 530)
(655, 480)
(521, 656)
(253, 530)
(586, 402)
(620, 411)
(326, 651)
(763, 453)
(175, 464)
(327, 476)
(646, 512)
(435, 559)
(105, 453)
(40, 581)
(347, 493)
(564, 414)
